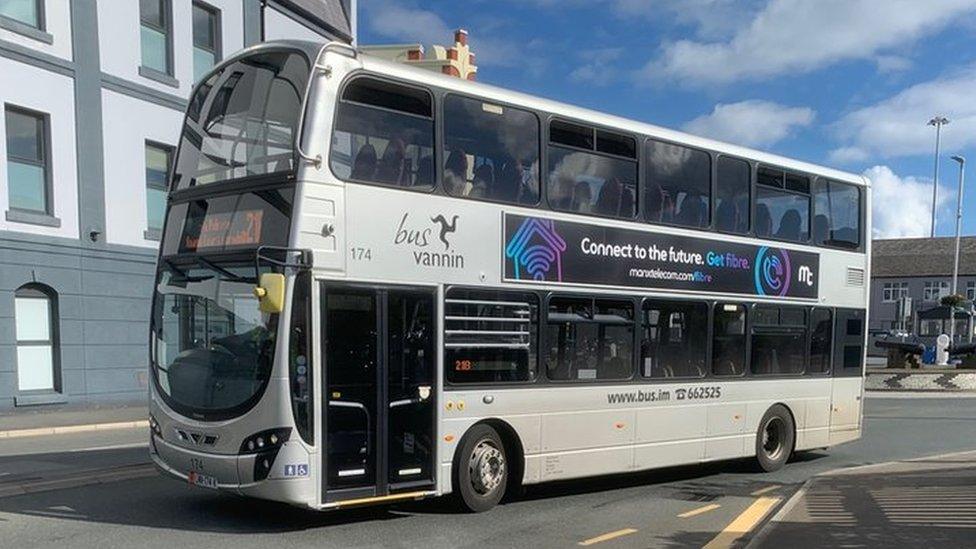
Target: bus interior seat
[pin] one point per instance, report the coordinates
(364, 166)
(790, 225)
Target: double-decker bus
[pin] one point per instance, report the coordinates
(377, 283)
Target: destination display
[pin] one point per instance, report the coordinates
(230, 222)
(539, 249)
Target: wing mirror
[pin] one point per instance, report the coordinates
(270, 292)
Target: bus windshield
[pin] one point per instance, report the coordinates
(212, 348)
(242, 121)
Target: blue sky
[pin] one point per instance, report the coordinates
(845, 83)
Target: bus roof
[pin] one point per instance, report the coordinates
(487, 91)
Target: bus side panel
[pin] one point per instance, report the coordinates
(666, 436)
(322, 225)
(846, 409)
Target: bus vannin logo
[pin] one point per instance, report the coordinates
(773, 271)
(535, 249)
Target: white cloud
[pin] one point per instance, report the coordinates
(791, 36)
(752, 123)
(897, 126)
(403, 22)
(902, 205)
(597, 68)
(847, 155)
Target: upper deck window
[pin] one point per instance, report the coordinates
(837, 214)
(591, 171)
(384, 134)
(679, 185)
(732, 202)
(242, 121)
(782, 205)
(492, 151)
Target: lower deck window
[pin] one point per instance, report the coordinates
(675, 339)
(778, 340)
(729, 340)
(490, 336)
(590, 339)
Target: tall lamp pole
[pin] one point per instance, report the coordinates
(938, 122)
(955, 267)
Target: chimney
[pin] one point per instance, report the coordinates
(461, 37)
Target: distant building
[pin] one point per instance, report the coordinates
(93, 95)
(919, 268)
(455, 61)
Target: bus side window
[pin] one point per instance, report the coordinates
(782, 205)
(837, 215)
(492, 151)
(589, 340)
(674, 342)
(821, 338)
(490, 337)
(849, 343)
(732, 205)
(384, 134)
(779, 337)
(679, 185)
(591, 171)
(729, 340)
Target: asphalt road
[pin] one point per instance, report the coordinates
(678, 507)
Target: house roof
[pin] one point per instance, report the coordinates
(922, 257)
(329, 13)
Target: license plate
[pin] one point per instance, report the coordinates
(205, 481)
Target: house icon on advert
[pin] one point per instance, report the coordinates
(535, 248)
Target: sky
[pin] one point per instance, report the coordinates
(849, 84)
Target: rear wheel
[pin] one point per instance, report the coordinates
(774, 441)
(480, 469)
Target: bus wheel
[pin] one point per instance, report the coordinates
(480, 469)
(774, 441)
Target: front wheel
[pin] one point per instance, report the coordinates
(480, 469)
(774, 441)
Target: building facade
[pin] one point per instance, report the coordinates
(457, 61)
(919, 268)
(93, 93)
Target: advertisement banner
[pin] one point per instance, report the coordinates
(539, 249)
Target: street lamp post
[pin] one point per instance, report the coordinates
(955, 267)
(938, 122)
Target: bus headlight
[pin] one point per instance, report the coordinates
(272, 439)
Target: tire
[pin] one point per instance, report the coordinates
(481, 469)
(775, 439)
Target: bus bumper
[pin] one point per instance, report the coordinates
(289, 479)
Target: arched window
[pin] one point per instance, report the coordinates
(35, 314)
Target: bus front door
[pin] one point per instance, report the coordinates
(379, 391)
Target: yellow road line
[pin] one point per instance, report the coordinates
(608, 536)
(765, 490)
(743, 523)
(700, 510)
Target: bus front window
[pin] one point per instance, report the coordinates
(213, 349)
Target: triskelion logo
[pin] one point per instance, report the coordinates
(535, 247)
(445, 228)
(773, 271)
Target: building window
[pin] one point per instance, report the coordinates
(893, 291)
(971, 290)
(27, 161)
(935, 290)
(206, 39)
(35, 315)
(159, 158)
(28, 12)
(156, 35)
